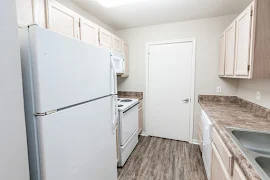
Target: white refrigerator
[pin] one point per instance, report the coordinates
(70, 105)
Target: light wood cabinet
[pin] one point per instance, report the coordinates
(140, 120)
(88, 31)
(140, 115)
(105, 38)
(117, 44)
(242, 52)
(237, 173)
(218, 170)
(25, 11)
(249, 47)
(221, 71)
(125, 50)
(63, 20)
(224, 153)
(230, 50)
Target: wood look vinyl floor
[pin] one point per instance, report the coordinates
(163, 159)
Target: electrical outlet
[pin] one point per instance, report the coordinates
(219, 89)
(258, 95)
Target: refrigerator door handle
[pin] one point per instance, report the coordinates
(114, 113)
(114, 88)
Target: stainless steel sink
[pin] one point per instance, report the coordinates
(254, 141)
(256, 148)
(264, 162)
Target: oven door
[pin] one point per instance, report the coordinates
(128, 123)
(118, 64)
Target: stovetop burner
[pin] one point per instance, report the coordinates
(126, 100)
(120, 105)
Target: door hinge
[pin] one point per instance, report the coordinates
(79, 23)
(251, 13)
(248, 68)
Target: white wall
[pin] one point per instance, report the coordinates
(71, 5)
(13, 150)
(248, 88)
(207, 33)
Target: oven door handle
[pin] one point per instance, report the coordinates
(131, 107)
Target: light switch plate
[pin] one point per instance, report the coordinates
(219, 89)
(258, 95)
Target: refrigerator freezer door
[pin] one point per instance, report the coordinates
(66, 71)
(78, 143)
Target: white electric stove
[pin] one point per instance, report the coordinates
(128, 127)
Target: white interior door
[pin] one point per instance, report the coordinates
(170, 84)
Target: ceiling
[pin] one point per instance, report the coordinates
(154, 12)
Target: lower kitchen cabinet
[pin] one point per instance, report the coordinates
(140, 111)
(237, 173)
(218, 170)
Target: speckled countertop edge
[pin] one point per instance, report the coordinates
(231, 111)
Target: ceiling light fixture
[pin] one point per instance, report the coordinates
(113, 3)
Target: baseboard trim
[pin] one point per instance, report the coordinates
(144, 134)
(195, 141)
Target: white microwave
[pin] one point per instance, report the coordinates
(118, 60)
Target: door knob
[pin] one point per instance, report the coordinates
(186, 100)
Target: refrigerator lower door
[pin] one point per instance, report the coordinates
(78, 143)
(65, 67)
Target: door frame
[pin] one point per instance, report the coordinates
(193, 73)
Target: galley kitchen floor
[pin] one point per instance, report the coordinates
(163, 159)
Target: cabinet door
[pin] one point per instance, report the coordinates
(126, 52)
(140, 119)
(105, 38)
(218, 170)
(237, 173)
(243, 39)
(63, 20)
(25, 14)
(230, 50)
(221, 71)
(117, 44)
(88, 31)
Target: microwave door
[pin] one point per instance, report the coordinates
(118, 64)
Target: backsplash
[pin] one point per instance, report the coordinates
(130, 94)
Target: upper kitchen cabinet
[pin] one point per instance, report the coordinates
(230, 50)
(117, 44)
(251, 43)
(221, 71)
(88, 31)
(105, 38)
(243, 39)
(63, 20)
(126, 52)
(25, 12)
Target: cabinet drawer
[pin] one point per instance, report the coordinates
(223, 151)
(218, 169)
(237, 173)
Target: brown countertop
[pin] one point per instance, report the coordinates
(239, 113)
(132, 95)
